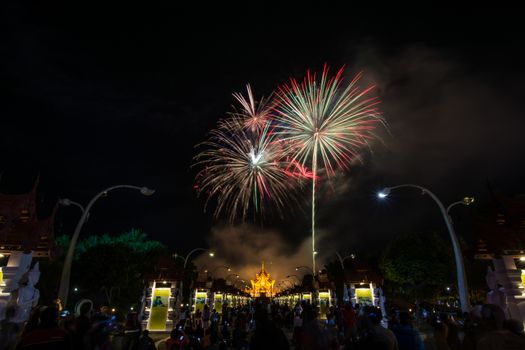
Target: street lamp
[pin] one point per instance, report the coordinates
(241, 282)
(307, 268)
(220, 267)
(186, 259)
(231, 274)
(297, 277)
(291, 284)
(342, 260)
(65, 278)
(460, 266)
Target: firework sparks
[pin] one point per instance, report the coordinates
(325, 124)
(244, 165)
(255, 115)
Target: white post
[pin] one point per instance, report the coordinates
(460, 267)
(63, 290)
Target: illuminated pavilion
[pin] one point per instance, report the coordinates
(262, 286)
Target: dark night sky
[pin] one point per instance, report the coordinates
(97, 96)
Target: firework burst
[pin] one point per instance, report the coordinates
(254, 115)
(325, 124)
(244, 164)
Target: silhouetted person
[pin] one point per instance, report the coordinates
(146, 342)
(267, 335)
(47, 335)
(407, 337)
(9, 330)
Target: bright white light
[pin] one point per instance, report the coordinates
(384, 193)
(255, 158)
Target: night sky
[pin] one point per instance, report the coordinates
(98, 96)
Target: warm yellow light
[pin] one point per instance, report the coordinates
(212, 254)
(2, 255)
(522, 258)
(164, 282)
(113, 310)
(468, 200)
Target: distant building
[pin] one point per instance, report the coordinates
(263, 284)
(21, 229)
(501, 240)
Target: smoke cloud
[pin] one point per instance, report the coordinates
(245, 247)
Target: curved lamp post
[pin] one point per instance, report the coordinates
(307, 268)
(63, 290)
(231, 274)
(297, 277)
(291, 284)
(186, 259)
(342, 260)
(220, 267)
(460, 266)
(346, 297)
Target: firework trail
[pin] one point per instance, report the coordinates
(325, 123)
(244, 164)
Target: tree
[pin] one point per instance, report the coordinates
(417, 263)
(109, 269)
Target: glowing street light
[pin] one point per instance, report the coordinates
(228, 268)
(295, 276)
(65, 278)
(307, 268)
(232, 274)
(210, 254)
(460, 266)
(342, 259)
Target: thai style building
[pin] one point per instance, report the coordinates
(500, 229)
(23, 236)
(21, 229)
(263, 285)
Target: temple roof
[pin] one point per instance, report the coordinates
(500, 227)
(262, 283)
(20, 227)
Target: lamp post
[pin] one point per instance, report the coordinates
(242, 284)
(63, 290)
(342, 260)
(291, 284)
(307, 268)
(220, 267)
(346, 297)
(460, 266)
(180, 296)
(231, 274)
(297, 277)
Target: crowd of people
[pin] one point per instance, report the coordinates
(266, 326)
